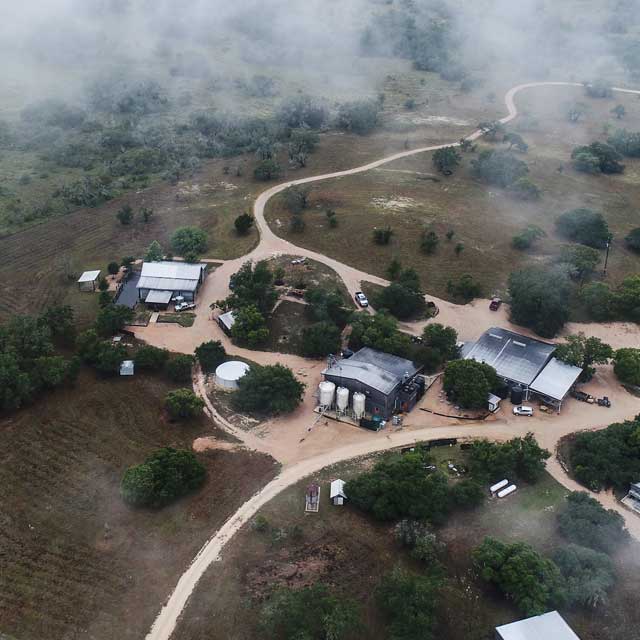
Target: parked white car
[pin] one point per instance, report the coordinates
(361, 299)
(183, 306)
(523, 410)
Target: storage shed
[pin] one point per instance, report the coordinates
(548, 626)
(493, 402)
(87, 281)
(226, 321)
(336, 493)
(126, 368)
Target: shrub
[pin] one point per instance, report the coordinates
(533, 583)
(210, 354)
(183, 403)
(154, 252)
(581, 261)
(525, 189)
(113, 268)
(125, 215)
(527, 237)
(243, 223)
(400, 299)
(296, 198)
(249, 326)
(585, 227)
(167, 474)
(189, 242)
(501, 168)
(360, 116)
(626, 142)
(178, 368)
(598, 299)
(268, 169)
(446, 160)
(268, 390)
(586, 522)
(632, 240)
(465, 288)
(320, 339)
(382, 236)
(112, 318)
(150, 358)
(608, 159)
(626, 366)
(297, 224)
(429, 241)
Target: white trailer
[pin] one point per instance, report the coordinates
(497, 486)
(507, 492)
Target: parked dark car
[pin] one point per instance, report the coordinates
(495, 303)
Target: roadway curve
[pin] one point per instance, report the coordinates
(271, 244)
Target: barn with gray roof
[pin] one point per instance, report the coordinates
(160, 282)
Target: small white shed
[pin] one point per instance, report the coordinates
(87, 281)
(337, 494)
(126, 368)
(493, 402)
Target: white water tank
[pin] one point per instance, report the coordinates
(228, 373)
(326, 389)
(358, 404)
(342, 398)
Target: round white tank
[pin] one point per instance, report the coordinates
(228, 373)
(327, 390)
(342, 398)
(358, 404)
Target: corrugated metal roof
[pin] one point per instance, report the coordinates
(164, 284)
(89, 276)
(158, 297)
(378, 370)
(337, 489)
(227, 319)
(556, 379)
(174, 270)
(549, 626)
(512, 355)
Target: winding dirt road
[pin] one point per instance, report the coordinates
(469, 320)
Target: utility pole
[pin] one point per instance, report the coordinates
(606, 257)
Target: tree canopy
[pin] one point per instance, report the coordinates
(183, 403)
(446, 160)
(597, 157)
(584, 226)
(249, 326)
(189, 242)
(584, 352)
(626, 366)
(379, 331)
(268, 390)
(501, 168)
(253, 285)
(403, 298)
(468, 383)
(210, 354)
(320, 339)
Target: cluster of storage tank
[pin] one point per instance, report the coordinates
(330, 398)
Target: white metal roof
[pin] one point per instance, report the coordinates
(163, 284)
(126, 368)
(549, 626)
(158, 297)
(89, 276)
(232, 370)
(498, 485)
(176, 270)
(493, 399)
(337, 489)
(227, 319)
(555, 380)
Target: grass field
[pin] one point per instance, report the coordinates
(408, 196)
(76, 562)
(349, 552)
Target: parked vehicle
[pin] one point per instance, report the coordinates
(523, 410)
(495, 303)
(604, 402)
(183, 306)
(361, 299)
(298, 261)
(582, 396)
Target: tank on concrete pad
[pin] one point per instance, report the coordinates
(228, 373)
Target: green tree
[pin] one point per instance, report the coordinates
(125, 215)
(178, 368)
(500, 168)
(446, 160)
(465, 288)
(443, 340)
(146, 214)
(210, 354)
(580, 260)
(268, 390)
(525, 189)
(268, 169)
(584, 352)
(382, 235)
(16, 387)
(468, 382)
(533, 583)
(379, 331)
(189, 242)
(626, 299)
(626, 366)
(326, 305)
(150, 358)
(539, 299)
(618, 111)
(632, 240)
(285, 615)
(360, 116)
(108, 357)
(429, 241)
(491, 130)
(576, 111)
(113, 268)
(586, 522)
(626, 142)
(112, 318)
(103, 285)
(607, 156)
(517, 141)
(296, 198)
(249, 326)
(394, 269)
(585, 161)
(598, 299)
(60, 319)
(588, 575)
(166, 475)
(50, 372)
(459, 248)
(243, 223)
(409, 603)
(584, 226)
(183, 403)
(154, 252)
(320, 339)
(253, 285)
(527, 237)
(401, 300)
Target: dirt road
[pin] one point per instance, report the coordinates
(469, 320)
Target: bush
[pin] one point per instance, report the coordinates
(632, 240)
(268, 169)
(465, 288)
(446, 160)
(360, 116)
(607, 159)
(518, 457)
(154, 252)
(189, 242)
(183, 403)
(429, 242)
(443, 340)
(112, 318)
(269, 390)
(408, 602)
(287, 615)
(379, 331)
(581, 261)
(626, 142)
(179, 368)
(165, 475)
(527, 237)
(468, 383)
(598, 299)
(533, 583)
(113, 268)
(150, 358)
(585, 522)
(320, 339)
(500, 168)
(296, 198)
(243, 223)
(253, 285)
(539, 299)
(626, 366)
(588, 575)
(210, 354)
(382, 236)
(525, 189)
(585, 227)
(249, 326)
(401, 300)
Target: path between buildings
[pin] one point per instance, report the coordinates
(469, 320)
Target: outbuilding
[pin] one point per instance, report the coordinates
(87, 281)
(555, 381)
(126, 368)
(493, 402)
(161, 279)
(226, 321)
(548, 626)
(336, 493)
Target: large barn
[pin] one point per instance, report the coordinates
(526, 362)
(389, 383)
(160, 282)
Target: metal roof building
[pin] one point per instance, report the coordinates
(380, 376)
(549, 626)
(515, 358)
(556, 380)
(226, 321)
(87, 281)
(336, 492)
(179, 278)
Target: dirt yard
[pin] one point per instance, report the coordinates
(76, 562)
